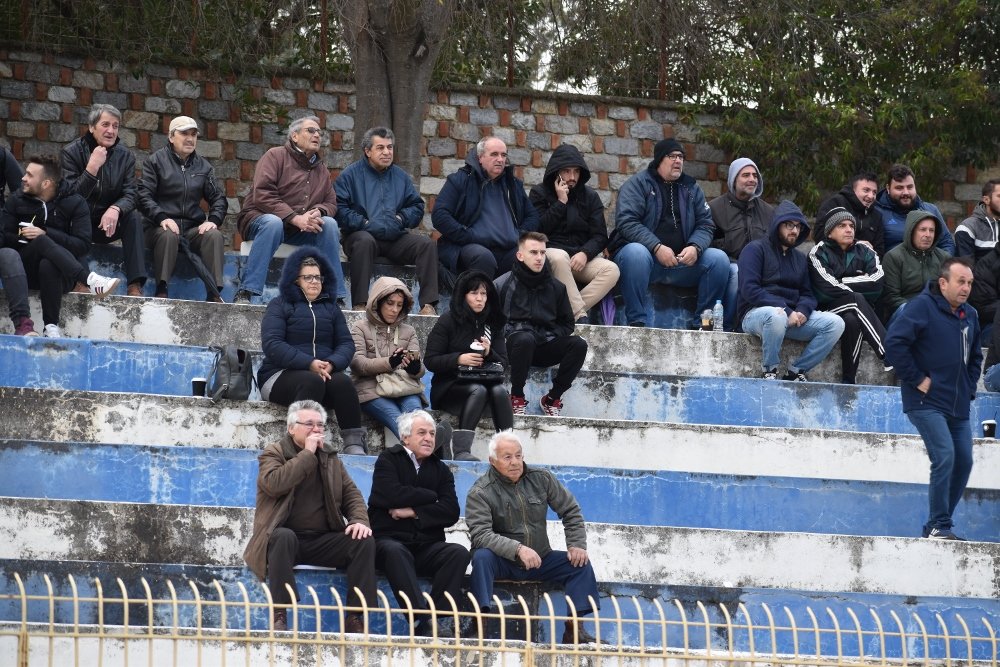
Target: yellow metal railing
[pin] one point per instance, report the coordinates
(195, 627)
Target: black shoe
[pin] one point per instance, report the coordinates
(580, 636)
(583, 320)
(637, 324)
(791, 376)
(280, 623)
(770, 374)
(243, 297)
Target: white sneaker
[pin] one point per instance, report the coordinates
(101, 286)
(52, 331)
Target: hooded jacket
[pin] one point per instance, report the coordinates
(977, 235)
(928, 339)
(375, 340)
(173, 188)
(773, 275)
(455, 330)
(114, 184)
(894, 221)
(868, 220)
(282, 467)
(737, 223)
(834, 272)
(287, 183)
(294, 331)
(907, 269)
(458, 206)
(578, 225)
(66, 219)
(534, 302)
(986, 285)
(383, 203)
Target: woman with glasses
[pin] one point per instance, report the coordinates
(307, 345)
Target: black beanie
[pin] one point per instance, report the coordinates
(834, 217)
(663, 148)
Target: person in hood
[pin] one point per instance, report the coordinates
(539, 329)
(571, 215)
(897, 199)
(935, 347)
(469, 334)
(385, 343)
(307, 345)
(291, 201)
(102, 170)
(847, 280)
(481, 211)
(776, 298)
(858, 197)
(913, 262)
(976, 236)
(46, 229)
(663, 229)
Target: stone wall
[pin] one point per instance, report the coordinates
(44, 101)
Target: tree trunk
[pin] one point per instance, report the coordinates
(394, 45)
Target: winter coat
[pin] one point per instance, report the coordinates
(737, 223)
(66, 219)
(10, 175)
(502, 515)
(375, 340)
(977, 235)
(985, 293)
(385, 204)
(834, 272)
(894, 221)
(171, 188)
(114, 184)
(430, 492)
(928, 339)
(578, 225)
(287, 183)
(534, 302)
(294, 332)
(868, 221)
(459, 203)
(907, 269)
(282, 466)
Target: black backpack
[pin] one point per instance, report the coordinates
(232, 374)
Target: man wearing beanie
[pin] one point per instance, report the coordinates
(663, 229)
(740, 217)
(847, 280)
(776, 298)
(913, 262)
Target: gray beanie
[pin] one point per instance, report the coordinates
(835, 217)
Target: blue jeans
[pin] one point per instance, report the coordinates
(949, 445)
(579, 582)
(386, 410)
(268, 232)
(639, 268)
(992, 378)
(770, 323)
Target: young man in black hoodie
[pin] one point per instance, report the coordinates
(539, 325)
(857, 197)
(571, 215)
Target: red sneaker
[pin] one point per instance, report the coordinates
(550, 406)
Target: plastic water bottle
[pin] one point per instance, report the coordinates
(717, 316)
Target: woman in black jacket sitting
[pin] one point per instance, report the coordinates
(307, 345)
(469, 334)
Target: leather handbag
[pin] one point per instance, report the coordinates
(489, 373)
(232, 374)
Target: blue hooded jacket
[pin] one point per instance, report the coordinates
(894, 221)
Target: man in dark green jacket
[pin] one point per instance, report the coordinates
(515, 544)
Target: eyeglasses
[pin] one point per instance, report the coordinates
(311, 130)
(313, 425)
(676, 156)
(791, 225)
(311, 278)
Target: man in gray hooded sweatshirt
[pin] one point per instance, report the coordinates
(740, 217)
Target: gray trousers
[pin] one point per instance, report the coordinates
(210, 246)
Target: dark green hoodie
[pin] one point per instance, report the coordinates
(907, 269)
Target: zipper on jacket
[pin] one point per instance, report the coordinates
(313, 313)
(524, 518)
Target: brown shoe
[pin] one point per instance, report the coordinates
(428, 309)
(280, 623)
(354, 624)
(581, 636)
(80, 288)
(134, 289)
(214, 299)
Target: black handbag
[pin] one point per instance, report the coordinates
(232, 375)
(489, 373)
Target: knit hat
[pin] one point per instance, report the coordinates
(834, 217)
(736, 167)
(663, 148)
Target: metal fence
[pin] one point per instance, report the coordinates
(227, 624)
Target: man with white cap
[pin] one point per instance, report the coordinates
(175, 179)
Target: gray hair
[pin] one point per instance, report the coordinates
(503, 436)
(298, 406)
(404, 422)
(98, 109)
(481, 146)
(299, 122)
(381, 132)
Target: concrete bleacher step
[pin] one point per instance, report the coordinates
(145, 419)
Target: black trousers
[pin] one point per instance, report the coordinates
(337, 394)
(524, 352)
(469, 402)
(286, 549)
(861, 323)
(130, 231)
(362, 248)
(445, 563)
(53, 270)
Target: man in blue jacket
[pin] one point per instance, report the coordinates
(934, 346)
(376, 205)
(897, 199)
(663, 230)
(776, 298)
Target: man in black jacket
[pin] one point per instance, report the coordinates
(858, 198)
(572, 216)
(412, 501)
(539, 325)
(174, 181)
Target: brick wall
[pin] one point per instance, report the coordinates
(44, 101)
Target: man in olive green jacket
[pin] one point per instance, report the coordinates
(515, 544)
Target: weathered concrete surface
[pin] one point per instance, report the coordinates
(70, 416)
(128, 532)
